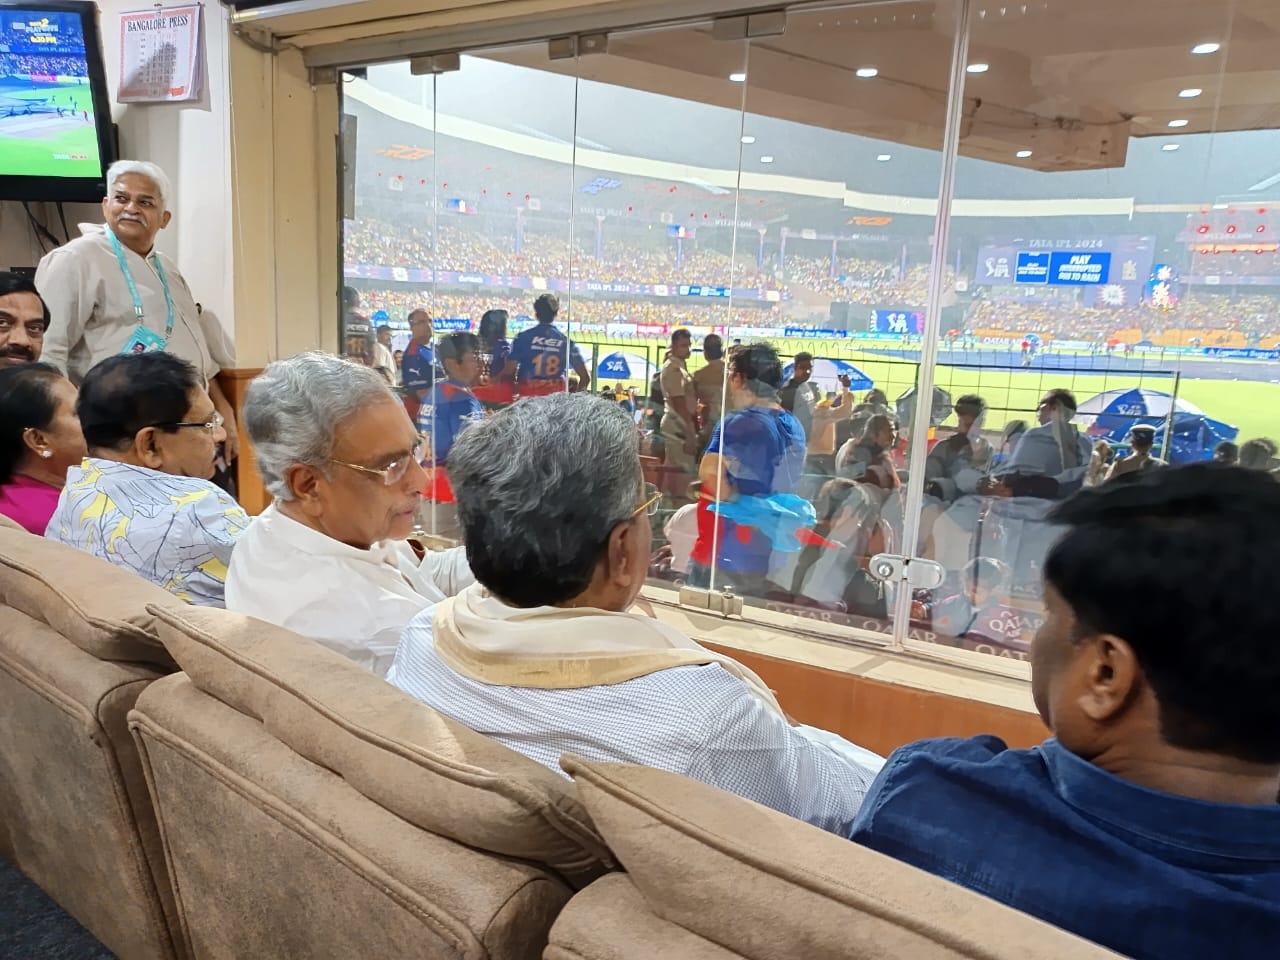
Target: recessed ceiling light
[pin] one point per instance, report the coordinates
(885, 157)
(1202, 48)
(1022, 154)
(766, 159)
(1190, 93)
(738, 77)
(977, 68)
(866, 73)
(1169, 147)
(1175, 124)
(748, 139)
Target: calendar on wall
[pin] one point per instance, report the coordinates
(160, 55)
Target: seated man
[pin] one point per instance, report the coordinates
(328, 559)
(543, 656)
(1049, 460)
(1150, 824)
(957, 465)
(143, 498)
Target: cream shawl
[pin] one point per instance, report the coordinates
(554, 648)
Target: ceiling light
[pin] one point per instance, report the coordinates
(1169, 147)
(1201, 48)
(977, 68)
(1176, 124)
(748, 139)
(766, 159)
(885, 157)
(738, 77)
(1022, 154)
(1190, 93)
(866, 73)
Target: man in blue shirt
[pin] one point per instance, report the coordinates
(1150, 822)
(543, 355)
(418, 368)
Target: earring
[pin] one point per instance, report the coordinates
(46, 454)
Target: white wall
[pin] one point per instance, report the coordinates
(191, 142)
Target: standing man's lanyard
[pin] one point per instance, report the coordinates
(143, 340)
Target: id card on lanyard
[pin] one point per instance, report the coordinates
(143, 340)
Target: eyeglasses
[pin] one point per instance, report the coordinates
(393, 472)
(650, 506)
(213, 424)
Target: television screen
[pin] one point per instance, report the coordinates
(55, 122)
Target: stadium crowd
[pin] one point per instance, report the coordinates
(22, 65)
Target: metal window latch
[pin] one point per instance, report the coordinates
(920, 574)
(725, 602)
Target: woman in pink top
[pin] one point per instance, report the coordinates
(39, 439)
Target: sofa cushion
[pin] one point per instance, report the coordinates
(433, 772)
(764, 885)
(99, 608)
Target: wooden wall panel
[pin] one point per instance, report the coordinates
(252, 494)
(883, 716)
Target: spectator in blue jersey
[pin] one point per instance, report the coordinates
(452, 408)
(747, 507)
(495, 346)
(418, 368)
(1148, 823)
(543, 355)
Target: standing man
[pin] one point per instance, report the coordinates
(803, 398)
(383, 361)
(543, 355)
(110, 291)
(1142, 437)
(418, 368)
(679, 434)
(709, 386)
(24, 319)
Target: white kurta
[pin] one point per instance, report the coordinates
(353, 601)
(92, 315)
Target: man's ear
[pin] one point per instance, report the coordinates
(1110, 677)
(146, 447)
(303, 482)
(618, 552)
(165, 218)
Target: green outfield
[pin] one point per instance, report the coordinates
(1251, 405)
(27, 150)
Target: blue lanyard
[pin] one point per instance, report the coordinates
(133, 287)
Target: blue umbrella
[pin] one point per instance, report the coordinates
(829, 371)
(380, 316)
(1193, 437)
(1114, 412)
(625, 366)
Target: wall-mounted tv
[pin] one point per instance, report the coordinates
(55, 118)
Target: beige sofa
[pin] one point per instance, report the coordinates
(714, 877)
(308, 809)
(76, 648)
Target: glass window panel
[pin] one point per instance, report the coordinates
(841, 147)
(656, 195)
(1112, 237)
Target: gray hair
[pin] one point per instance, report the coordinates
(141, 168)
(539, 486)
(293, 409)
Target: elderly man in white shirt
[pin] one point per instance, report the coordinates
(543, 653)
(328, 559)
(110, 291)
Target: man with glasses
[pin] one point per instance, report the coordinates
(547, 653)
(24, 320)
(143, 499)
(329, 558)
